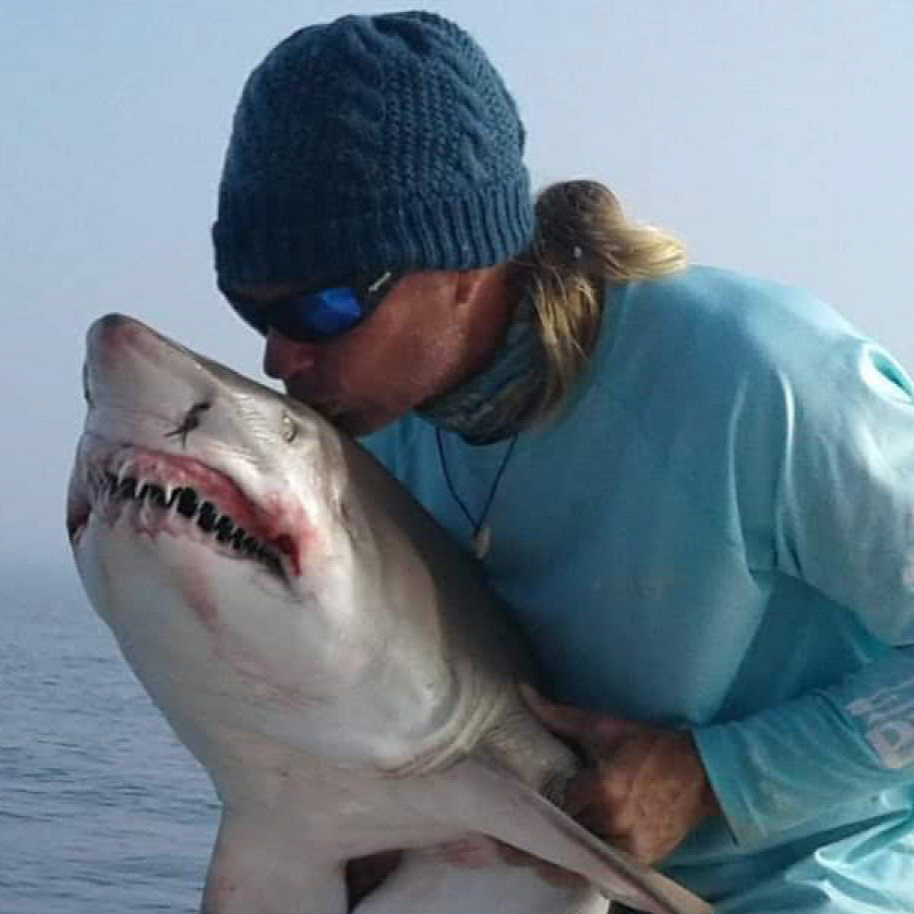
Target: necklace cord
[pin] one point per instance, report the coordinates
(475, 525)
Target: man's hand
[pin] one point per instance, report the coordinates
(644, 787)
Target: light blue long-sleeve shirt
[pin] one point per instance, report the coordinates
(718, 532)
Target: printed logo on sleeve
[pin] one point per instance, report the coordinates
(887, 721)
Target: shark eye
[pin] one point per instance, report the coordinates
(289, 428)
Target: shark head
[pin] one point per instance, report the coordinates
(227, 536)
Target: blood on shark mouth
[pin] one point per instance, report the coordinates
(188, 503)
(190, 492)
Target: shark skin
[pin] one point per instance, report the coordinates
(337, 665)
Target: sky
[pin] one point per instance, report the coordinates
(773, 136)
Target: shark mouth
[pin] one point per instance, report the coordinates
(188, 503)
(160, 492)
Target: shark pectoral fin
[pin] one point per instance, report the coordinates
(258, 868)
(492, 801)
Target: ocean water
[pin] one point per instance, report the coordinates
(102, 810)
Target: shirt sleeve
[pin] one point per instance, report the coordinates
(842, 503)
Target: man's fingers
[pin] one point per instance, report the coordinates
(588, 728)
(575, 723)
(582, 792)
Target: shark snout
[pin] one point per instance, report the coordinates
(111, 342)
(133, 371)
(115, 343)
(112, 333)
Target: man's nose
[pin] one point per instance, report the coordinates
(284, 358)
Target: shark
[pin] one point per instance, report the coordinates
(338, 665)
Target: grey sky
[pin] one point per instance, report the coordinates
(775, 136)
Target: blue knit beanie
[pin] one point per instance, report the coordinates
(367, 144)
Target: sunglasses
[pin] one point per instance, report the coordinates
(311, 317)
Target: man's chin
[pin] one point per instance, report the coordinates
(357, 424)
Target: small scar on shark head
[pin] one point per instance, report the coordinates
(190, 422)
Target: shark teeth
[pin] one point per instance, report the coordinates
(186, 501)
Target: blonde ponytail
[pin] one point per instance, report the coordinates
(584, 242)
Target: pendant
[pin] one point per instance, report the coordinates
(481, 541)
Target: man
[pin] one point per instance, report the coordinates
(694, 489)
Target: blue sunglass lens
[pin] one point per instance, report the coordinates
(331, 311)
(313, 316)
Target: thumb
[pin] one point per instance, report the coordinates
(580, 725)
